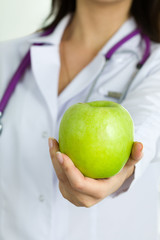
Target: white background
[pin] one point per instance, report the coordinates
(22, 17)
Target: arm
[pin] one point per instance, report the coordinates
(143, 104)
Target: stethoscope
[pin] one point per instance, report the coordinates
(26, 63)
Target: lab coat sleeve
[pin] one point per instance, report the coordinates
(143, 104)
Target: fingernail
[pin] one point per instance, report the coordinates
(59, 157)
(50, 142)
(140, 146)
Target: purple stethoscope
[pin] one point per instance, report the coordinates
(26, 63)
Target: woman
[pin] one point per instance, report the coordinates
(62, 72)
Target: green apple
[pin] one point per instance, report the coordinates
(97, 136)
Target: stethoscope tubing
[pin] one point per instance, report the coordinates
(110, 53)
(26, 62)
(95, 81)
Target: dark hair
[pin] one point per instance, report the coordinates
(145, 12)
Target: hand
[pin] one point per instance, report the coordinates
(84, 191)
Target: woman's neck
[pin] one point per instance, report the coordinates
(94, 22)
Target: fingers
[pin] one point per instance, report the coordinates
(74, 176)
(80, 183)
(53, 149)
(53, 146)
(69, 175)
(78, 199)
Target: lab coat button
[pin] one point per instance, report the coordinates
(44, 134)
(41, 198)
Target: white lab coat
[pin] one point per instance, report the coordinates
(31, 206)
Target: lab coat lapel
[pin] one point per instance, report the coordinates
(45, 67)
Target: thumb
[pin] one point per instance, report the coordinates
(136, 154)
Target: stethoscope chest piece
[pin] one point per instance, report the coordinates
(1, 128)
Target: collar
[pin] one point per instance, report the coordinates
(55, 37)
(125, 29)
